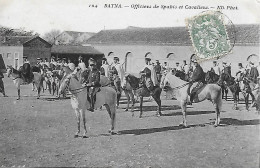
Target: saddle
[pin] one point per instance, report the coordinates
(196, 90)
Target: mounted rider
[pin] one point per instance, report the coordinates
(118, 70)
(158, 70)
(253, 73)
(92, 83)
(241, 72)
(215, 68)
(197, 76)
(150, 75)
(26, 72)
(226, 69)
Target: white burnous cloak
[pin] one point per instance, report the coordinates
(153, 74)
(121, 73)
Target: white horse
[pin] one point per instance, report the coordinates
(37, 80)
(178, 89)
(106, 96)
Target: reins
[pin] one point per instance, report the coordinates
(179, 87)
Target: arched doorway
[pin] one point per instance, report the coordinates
(170, 59)
(149, 54)
(129, 62)
(110, 57)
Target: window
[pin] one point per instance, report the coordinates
(8, 55)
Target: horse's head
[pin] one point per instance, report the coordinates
(9, 70)
(132, 80)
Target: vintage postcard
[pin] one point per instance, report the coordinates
(129, 83)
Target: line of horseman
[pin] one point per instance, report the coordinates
(152, 73)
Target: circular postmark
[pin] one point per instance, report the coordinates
(213, 35)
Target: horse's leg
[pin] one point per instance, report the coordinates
(18, 91)
(183, 110)
(128, 99)
(32, 86)
(112, 113)
(17, 84)
(132, 100)
(247, 101)
(38, 90)
(226, 92)
(158, 101)
(83, 116)
(141, 106)
(253, 99)
(118, 98)
(77, 111)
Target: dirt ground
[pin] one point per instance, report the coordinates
(40, 133)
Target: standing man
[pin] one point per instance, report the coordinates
(2, 87)
(53, 61)
(165, 67)
(25, 60)
(253, 74)
(92, 83)
(104, 70)
(150, 75)
(178, 67)
(215, 68)
(118, 69)
(158, 70)
(63, 62)
(46, 62)
(197, 76)
(81, 64)
(71, 65)
(185, 67)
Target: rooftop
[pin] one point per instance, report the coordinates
(70, 49)
(245, 34)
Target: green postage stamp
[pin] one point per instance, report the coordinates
(208, 35)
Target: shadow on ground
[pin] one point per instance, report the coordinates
(223, 122)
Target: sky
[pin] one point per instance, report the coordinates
(75, 15)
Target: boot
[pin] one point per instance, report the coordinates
(192, 97)
(91, 103)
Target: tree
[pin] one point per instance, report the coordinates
(51, 36)
(6, 31)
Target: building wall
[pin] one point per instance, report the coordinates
(170, 54)
(11, 54)
(36, 49)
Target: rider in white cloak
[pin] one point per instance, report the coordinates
(104, 70)
(150, 77)
(120, 70)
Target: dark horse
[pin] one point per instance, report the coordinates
(140, 90)
(181, 75)
(233, 86)
(212, 77)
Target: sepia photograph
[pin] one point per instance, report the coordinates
(130, 83)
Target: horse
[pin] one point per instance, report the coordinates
(106, 96)
(137, 87)
(179, 89)
(248, 87)
(232, 85)
(212, 77)
(18, 80)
